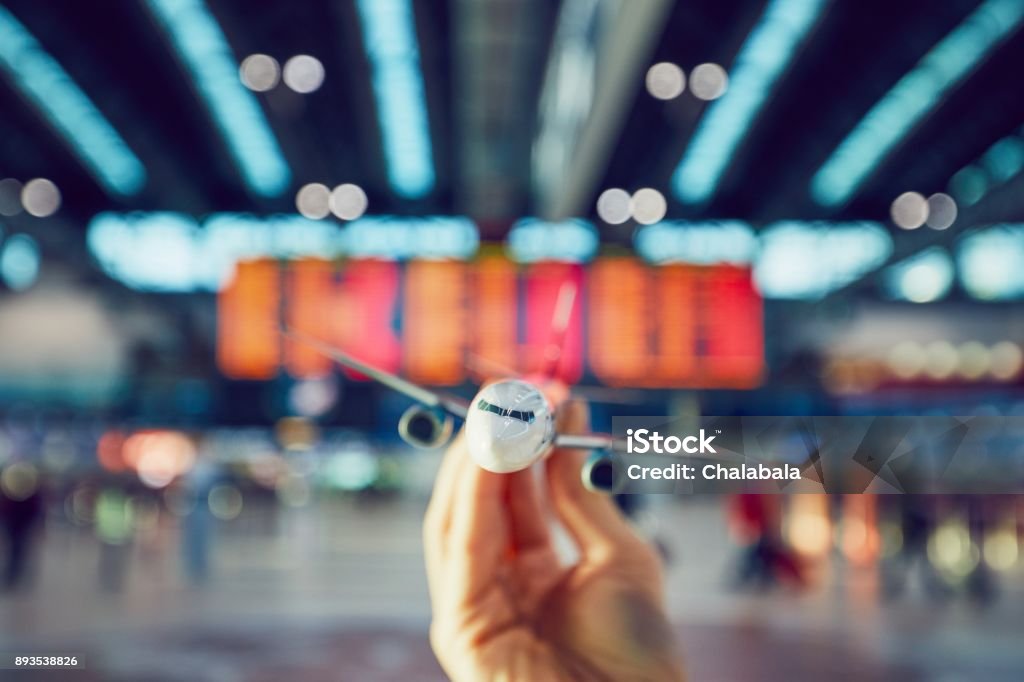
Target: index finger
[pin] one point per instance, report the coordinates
(598, 527)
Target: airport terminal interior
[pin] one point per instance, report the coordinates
(764, 208)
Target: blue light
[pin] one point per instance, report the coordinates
(167, 251)
(92, 138)
(762, 59)
(922, 278)
(569, 241)
(148, 251)
(399, 238)
(1004, 159)
(390, 36)
(697, 243)
(968, 185)
(989, 263)
(809, 260)
(19, 262)
(204, 50)
(912, 98)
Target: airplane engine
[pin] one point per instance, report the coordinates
(598, 472)
(422, 427)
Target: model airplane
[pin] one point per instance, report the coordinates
(510, 424)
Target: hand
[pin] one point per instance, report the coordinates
(504, 606)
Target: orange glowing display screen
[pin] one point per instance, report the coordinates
(446, 322)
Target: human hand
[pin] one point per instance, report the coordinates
(504, 606)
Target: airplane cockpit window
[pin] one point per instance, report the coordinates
(527, 417)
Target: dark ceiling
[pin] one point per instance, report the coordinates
(116, 53)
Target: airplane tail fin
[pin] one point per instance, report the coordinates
(559, 325)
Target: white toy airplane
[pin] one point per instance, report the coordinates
(510, 424)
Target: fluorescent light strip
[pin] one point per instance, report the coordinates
(569, 241)
(913, 98)
(762, 59)
(167, 251)
(389, 33)
(204, 50)
(89, 135)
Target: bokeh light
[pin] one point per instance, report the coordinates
(303, 74)
(613, 206)
(19, 480)
(19, 262)
(909, 210)
(313, 201)
(40, 197)
(1006, 360)
(941, 211)
(975, 360)
(159, 456)
(940, 359)
(259, 72)
(1001, 548)
(225, 502)
(648, 206)
(708, 81)
(348, 201)
(665, 81)
(906, 359)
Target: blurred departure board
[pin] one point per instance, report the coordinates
(494, 332)
(542, 283)
(446, 322)
(310, 288)
(248, 343)
(434, 322)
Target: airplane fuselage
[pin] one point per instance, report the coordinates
(511, 423)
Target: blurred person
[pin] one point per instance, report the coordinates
(916, 514)
(765, 559)
(505, 607)
(22, 518)
(982, 583)
(114, 527)
(197, 526)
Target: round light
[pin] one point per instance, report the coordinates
(1006, 360)
(19, 262)
(665, 80)
(940, 359)
(613, 206)
(909, 210)
(303, 73)
(974, 360)
(259, 72)
(225, 502)
(648, 206)
(40, 197)
(159, 456)
(313, 201)
(10, 197)
(941, 211)
(19, 481)
(906, 360)
(313, 397)
(709, 81)
(348, 201)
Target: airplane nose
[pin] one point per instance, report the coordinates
(598, 473)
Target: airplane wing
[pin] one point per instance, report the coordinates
(585, 441)
(451, 404)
